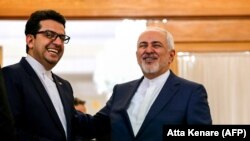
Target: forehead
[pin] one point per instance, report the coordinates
(152, 35)
(52, 25)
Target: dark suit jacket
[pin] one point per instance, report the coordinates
(6, 119)
(34, 114)
(180, 102)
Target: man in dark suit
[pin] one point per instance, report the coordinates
(41, 102)
(139, 109)
(6, 119)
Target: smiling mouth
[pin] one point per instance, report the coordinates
(53, 51)
(149, 60)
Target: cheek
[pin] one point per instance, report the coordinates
(62, 50)
(37, 47)
(138, 59)
(138, 54)
(165, 58)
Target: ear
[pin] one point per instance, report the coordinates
(172, 55)
(30, 40)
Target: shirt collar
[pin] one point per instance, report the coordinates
(38, 67)
(158, 81)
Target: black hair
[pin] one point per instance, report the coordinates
(33, 24)
(78, 101)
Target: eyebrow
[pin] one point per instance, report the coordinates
(156, 42)
(143, 42)
(153, 42)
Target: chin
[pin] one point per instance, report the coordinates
(153, 68)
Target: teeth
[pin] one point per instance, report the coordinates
(149, 59)
(52, 50)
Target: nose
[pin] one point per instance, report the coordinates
(149, 49)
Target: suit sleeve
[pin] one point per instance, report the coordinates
(198, 107)
(6, 119)
(12, 82)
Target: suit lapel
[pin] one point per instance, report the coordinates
(63, 96)
(131, 92)
(165, 95)
(129, 95)
(41, 91)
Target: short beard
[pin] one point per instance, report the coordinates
(153, 68)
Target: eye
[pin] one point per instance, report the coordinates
(50, 34)
(62, 37)
(142, 45)
(157, 45)
(53, 35)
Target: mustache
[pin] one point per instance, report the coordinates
(149, 55)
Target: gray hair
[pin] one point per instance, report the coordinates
(170, 40)
(169, 36)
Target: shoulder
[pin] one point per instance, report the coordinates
(184, 84)
(130, 83)
(17, 68)
(12, 70)
(12, 67)
(183, 81)
(59, 79)
(188, 82)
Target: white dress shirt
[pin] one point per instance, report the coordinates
(141, 103)
(50, 86)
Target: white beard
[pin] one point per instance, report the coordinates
(153, 68)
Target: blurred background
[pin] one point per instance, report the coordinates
(212, 40)
(99, 55)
